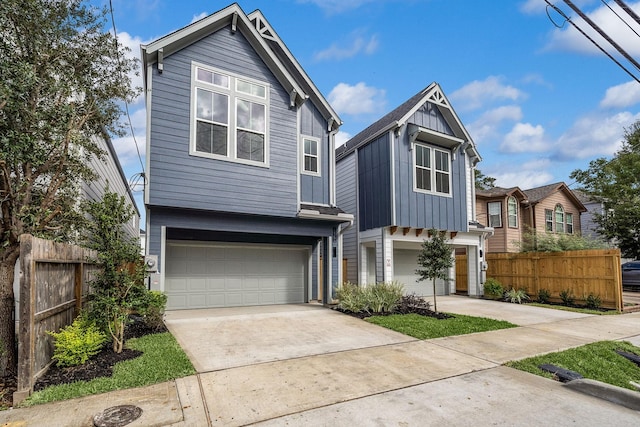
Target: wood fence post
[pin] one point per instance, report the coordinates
(26, 338)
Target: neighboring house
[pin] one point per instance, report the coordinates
(552, 208)
(240, 192)
(587, 222)
(411, 171)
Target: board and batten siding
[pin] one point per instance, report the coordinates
(374, 184)
(109, 171)
(346, 198)
(178, 179)
(421, 210)
(315, 189)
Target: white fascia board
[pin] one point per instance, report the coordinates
(190, 34)
(312, 214)
(318, 95)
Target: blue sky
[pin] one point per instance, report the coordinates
(539, 101)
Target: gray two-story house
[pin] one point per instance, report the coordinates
(240, 191)
(407, 173)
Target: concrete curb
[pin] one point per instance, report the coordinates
(618, 395)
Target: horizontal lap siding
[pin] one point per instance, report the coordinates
(420, 210)
(315, 189)
(180, 180)
(374, 184)
(346, 197)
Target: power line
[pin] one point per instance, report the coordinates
(620, 17)
(567, 19)
(126, 103)
(629, 11)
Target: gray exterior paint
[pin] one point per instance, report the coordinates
(420, 210)
(181, 180)
(109, 171)
(374, 184)
(315, 189)
(346, 197)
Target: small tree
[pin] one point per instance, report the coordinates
(118, 288)
(435, 260)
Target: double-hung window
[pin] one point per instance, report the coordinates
(568, 219)
(230, 116)
(432, 170)
(310, 155)
(512, 212)
(548, 220)
(559, 211)
(494, 212)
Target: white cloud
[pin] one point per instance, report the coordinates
(342, 137)
(525, 138)
(478, 93)
(568, 38)
(358, 99)
(126, 146)
(595, 136)
(486, 126)
(133, 44)
(357, 43)
(199, 17)
(534, 7)
(524, 175)
(621, 96)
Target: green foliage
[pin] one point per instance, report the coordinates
(426, 327)
(77, 343)
(377, 298)
(614, 183)
(62, 81)
(544, 296)
(493, 289)
(435, 260)
(593, 301)
(533, 241)
(516, 296)
(152, 309)
(597, 361)
(567, 297)
(162, 359)
(118, 288)
(482, 181)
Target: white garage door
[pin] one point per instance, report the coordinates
(227, 275)
(405, 263)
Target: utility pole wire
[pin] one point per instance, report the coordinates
(602, 33)
(627, 9)
(554, 7)
(620, 17)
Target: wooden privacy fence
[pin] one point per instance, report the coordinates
(596, 272)
(53, 287)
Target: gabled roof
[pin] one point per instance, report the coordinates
(399, 116)
(537, 194)
(264, 41)
(496, 192)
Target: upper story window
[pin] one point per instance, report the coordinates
(559, 212)
(432, 170)
(229, 117)
(494, 212)
(568, 221)
(310, 155)
(512, 212)
(548, 220)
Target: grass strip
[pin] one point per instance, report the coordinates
(575, 309)
(597, 361)
(425, 327)
(162, 360)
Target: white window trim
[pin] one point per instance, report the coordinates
(302, 154)
(234, 95)
(489, 214)
(568, 215)
(555, 218)
(509, 199)
(432, 167)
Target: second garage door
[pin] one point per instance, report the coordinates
(200, 275)
(405, 263)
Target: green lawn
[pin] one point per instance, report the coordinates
(424, 327)
(574, 309)
(162, 360)
(597, 361)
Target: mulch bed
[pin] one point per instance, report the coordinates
(406, 310)
(100, 365)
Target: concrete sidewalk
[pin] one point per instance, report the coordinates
(329, 369)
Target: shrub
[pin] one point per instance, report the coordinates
(351, 298)
(516, 296)
(593, 301)
(152, 309)
(383, 297)
(567, 297)
(408, 304)
(78, 342)
(493, 289)
(544, 295)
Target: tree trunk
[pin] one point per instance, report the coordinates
(435, 303)
(7, 306)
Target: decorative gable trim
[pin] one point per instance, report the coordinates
(437, 97)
